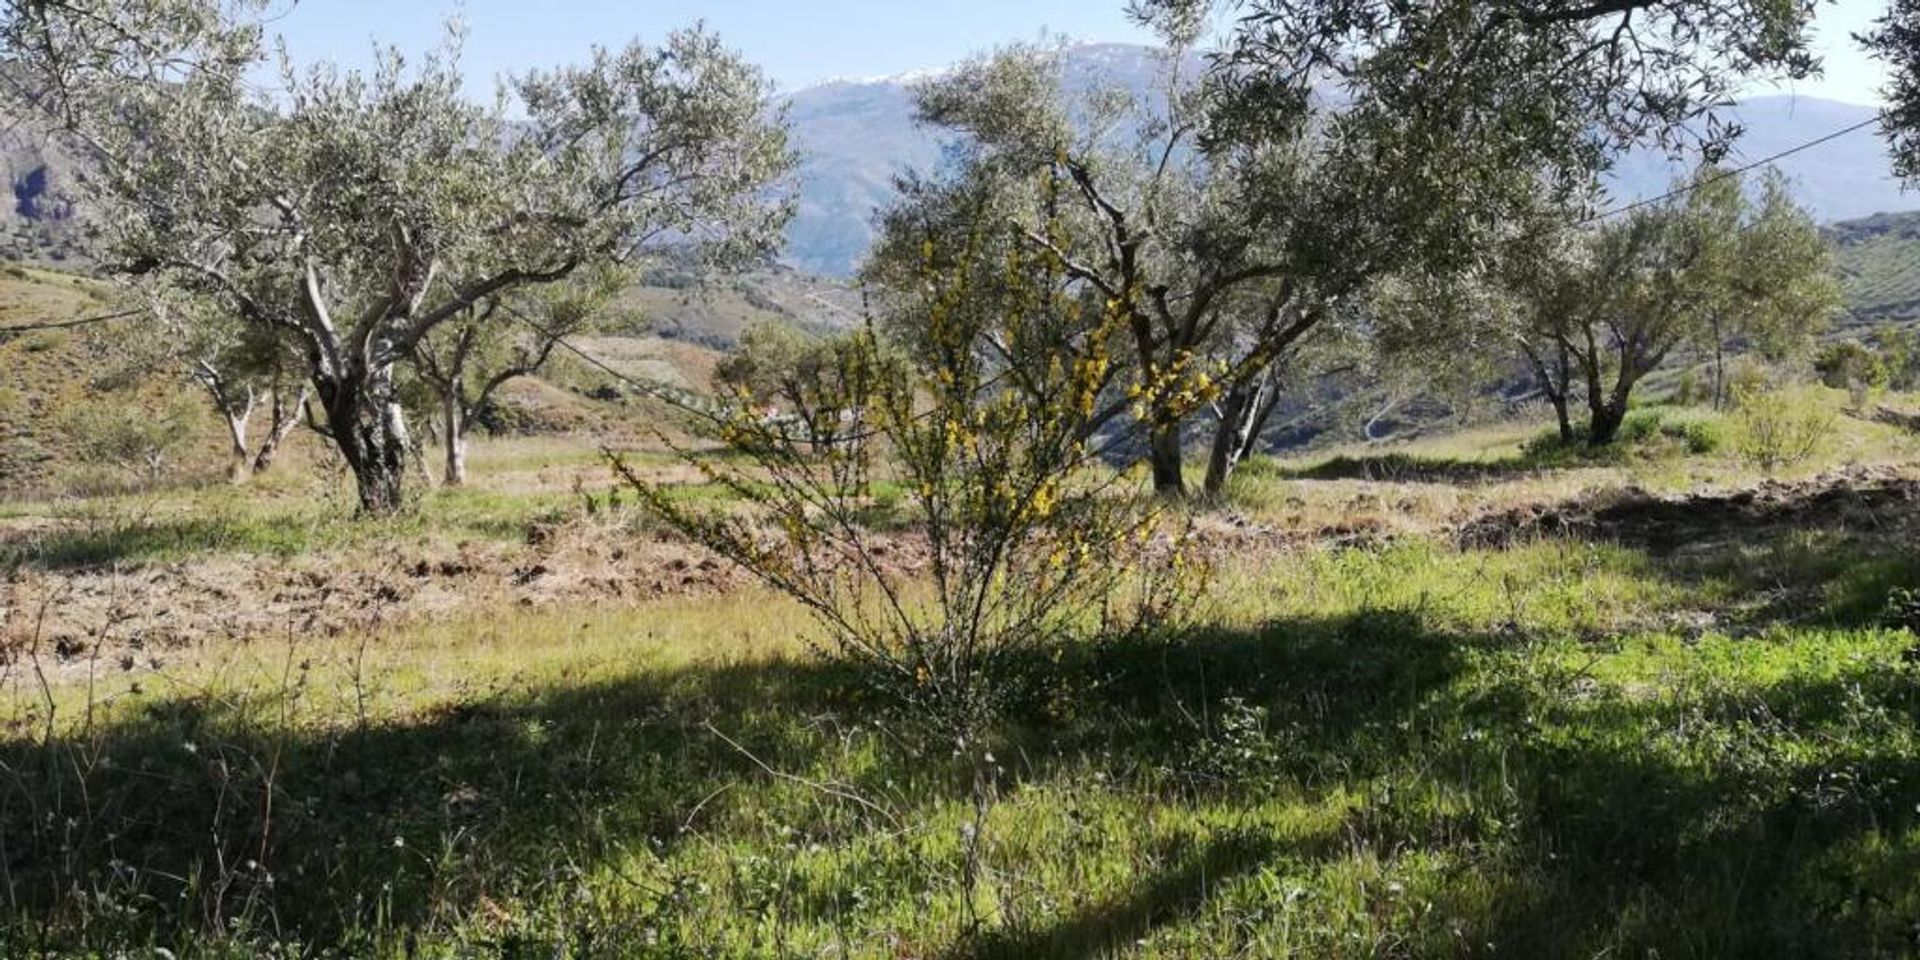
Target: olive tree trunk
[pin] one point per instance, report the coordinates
(286, 416)
(1166, 459)
(1243, 413)
(239, 457)
(369, 428)
(455, 425)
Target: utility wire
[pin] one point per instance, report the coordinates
(676, 396)
(1724, 174)
(672, 396)
(66, 324)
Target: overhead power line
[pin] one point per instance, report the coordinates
(689, 401)
(1736, 171)
(6, 331)
(672, 396)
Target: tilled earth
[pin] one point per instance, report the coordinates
(1877, 501)
(142, 615)
(133, 613)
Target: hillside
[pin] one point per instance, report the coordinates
(678, 303)
(46, 375)
(1879, 261)
(52, 380)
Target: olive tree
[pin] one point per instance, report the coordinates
(1330, 144)
(1562, 83)
(1222, 257)
(1895, 38)
(359, 211)
(1854, 367)
(467, 359)
(245, 370)
(1609, 305)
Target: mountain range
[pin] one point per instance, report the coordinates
(854, 136)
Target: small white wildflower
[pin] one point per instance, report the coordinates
(399, 841)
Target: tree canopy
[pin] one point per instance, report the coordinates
(1606, 305)
(357, 211)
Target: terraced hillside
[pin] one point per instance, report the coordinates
(50, 376)
(1879, 260)
(678, 303)
(666, 335)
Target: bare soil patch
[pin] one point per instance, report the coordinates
(135, 613)
(140, 615)
(1868, 500)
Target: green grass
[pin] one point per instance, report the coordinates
(1403, 751)
(1660, 445)
(182, 524)
(216, 520)
(1563, 748)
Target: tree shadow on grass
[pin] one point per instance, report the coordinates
(1598, 839)
(215, 811)
(1700, 826)
(1169, 896)
(195, 802)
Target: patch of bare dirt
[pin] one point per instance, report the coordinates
(133, 615)
(140, 616)
(1867, 500)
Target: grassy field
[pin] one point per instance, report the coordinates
(1459, 698)
(1560, 749)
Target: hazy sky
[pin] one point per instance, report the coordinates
(797, 43)
(806, 41)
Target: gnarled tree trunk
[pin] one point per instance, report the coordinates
(239, 458)
(1556, 382)
(1165, 457)
(1243, 412)
(285, 418)
(370, 430)
(1604, 423)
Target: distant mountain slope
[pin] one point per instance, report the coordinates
(853, 138)
(855, 135)
(1879, 261)
(685, 305)
(36, 217)
(1843, 179)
